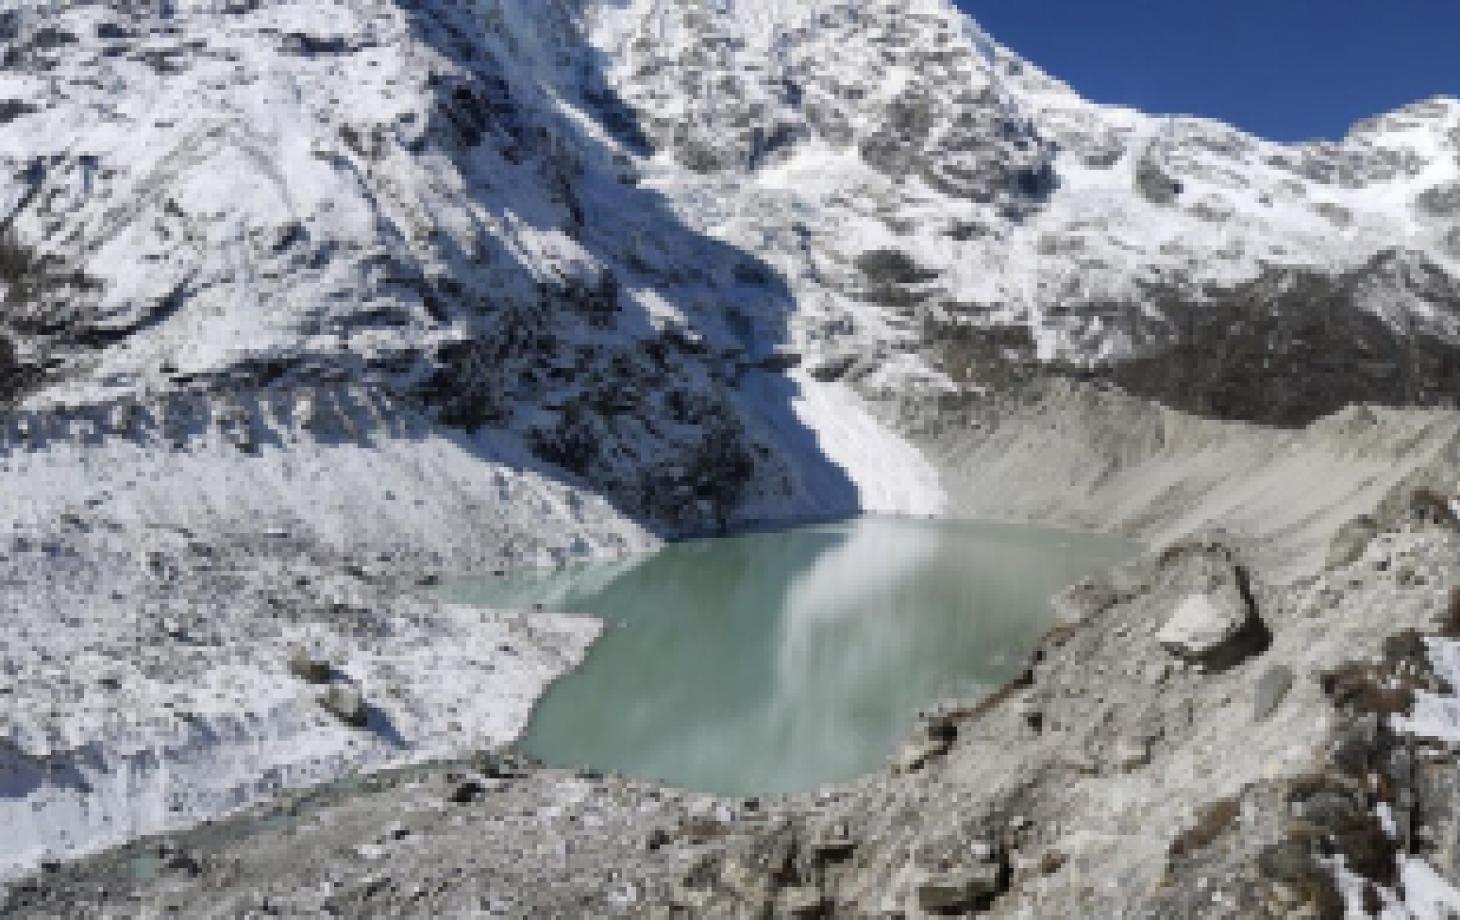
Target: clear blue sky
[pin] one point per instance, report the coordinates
(1283, 69)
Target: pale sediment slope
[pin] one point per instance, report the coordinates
(1090, 458)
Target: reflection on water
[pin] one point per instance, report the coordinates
(777, 662)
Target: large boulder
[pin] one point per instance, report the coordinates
(1204, 623)
(1214, 620)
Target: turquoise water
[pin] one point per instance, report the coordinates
(777, 662)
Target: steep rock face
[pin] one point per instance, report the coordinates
(1046, 231)
(1296, 344)
(433, 202)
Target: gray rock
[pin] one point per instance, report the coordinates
(1272, 686)
(957, 889)
(466, 791)
(498, 765)
(834, 845)
(1452, 242)
(1440, 201)
(1352, 539)
(691, 898)
(803, 901)
(915, 754)
(657, 838)
(1132, 753)
(1155, 185)
(833, 368)
(309, 669)
(346, 703)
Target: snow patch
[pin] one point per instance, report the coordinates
(891, 475)
(1434, 715)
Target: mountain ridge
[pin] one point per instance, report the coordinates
(304, 303)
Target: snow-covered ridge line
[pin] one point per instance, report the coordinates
(499, 211)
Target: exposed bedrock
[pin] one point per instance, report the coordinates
(1293, 346)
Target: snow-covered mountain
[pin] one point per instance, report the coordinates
(947, 198)
(669, 247)
(292, 292)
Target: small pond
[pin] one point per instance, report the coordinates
(775, 662)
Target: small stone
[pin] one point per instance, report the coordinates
(1132, 754)
(1272, 687)
(803, 901)
(1083, 601)
(466, 792)
(749, 882)
(346, 703)
(1349, 543)
(1052, 861)
(691, 898)
(940, 727)
(309, 669)
(834, 846)
(396, 831)
(915, 754)
(494, 765)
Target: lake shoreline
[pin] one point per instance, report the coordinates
(741, 650)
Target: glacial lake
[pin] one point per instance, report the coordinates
(776, 662)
